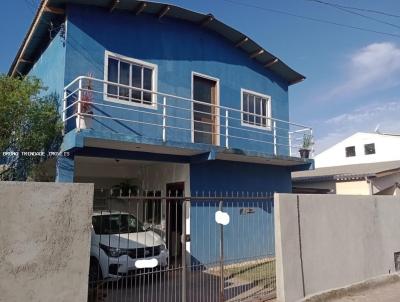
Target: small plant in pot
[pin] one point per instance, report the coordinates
(306, 146)
(84, 119)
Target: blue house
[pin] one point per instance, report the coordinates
(164, 98)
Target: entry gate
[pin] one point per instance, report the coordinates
(169, 248)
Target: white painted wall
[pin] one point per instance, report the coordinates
(44, 241)
(387, 148)
(157, 176)
(344, 239)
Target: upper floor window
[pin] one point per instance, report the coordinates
(256, 109)
(350, 151)
(130, 74)
(369, 149)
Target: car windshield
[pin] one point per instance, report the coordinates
(116, 224)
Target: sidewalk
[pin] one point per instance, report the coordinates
(384, 293)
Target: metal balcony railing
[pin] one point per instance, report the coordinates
(90, 103)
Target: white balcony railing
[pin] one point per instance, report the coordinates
(173, 118)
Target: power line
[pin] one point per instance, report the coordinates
(313, 19)
(339, 7)
(366, 10)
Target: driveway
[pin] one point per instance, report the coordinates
(201, 287)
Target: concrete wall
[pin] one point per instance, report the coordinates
(341, 240)
(44, 241)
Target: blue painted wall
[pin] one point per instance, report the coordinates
(247, 236)
(50, 67)
(178, 48)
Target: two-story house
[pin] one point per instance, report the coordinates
(165, 99)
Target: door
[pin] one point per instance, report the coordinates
(205, 114)
(174, 221)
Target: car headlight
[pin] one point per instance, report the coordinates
(113, 251)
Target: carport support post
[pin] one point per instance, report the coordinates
(221, 258)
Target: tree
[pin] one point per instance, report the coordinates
(29, 122)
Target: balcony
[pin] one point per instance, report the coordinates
(148, 117)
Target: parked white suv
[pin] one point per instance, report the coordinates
(118, 241)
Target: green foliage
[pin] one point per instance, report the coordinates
(29, 122)
(307, 141)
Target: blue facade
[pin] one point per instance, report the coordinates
(178, 48)
(50, 67)
(246, 236)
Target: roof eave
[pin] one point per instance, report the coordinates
(275, 65)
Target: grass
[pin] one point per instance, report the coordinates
(260, 272)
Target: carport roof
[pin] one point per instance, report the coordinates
(348, 172)
(52, 12)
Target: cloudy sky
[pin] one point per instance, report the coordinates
(349, 54)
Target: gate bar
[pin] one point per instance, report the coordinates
(183, 241)
(221, 258)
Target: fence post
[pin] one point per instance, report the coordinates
(221, 258)
(290, 143)
(78, 116)
(183, 241)
(226, 129)
(274, 126)
(164, 122)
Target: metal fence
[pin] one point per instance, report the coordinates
(166, 247)
(88, 104)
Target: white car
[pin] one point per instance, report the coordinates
(118, 241)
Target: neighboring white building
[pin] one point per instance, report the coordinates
(361, 148)
(381, 178)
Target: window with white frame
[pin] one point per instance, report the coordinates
(256, 109)
(133, 74)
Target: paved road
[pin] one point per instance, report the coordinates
(385, 293)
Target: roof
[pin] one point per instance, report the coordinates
(391, 190)
(348, 172)
(52, 12)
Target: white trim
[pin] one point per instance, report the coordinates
(217, 103)
(268, 117)
(134, 61)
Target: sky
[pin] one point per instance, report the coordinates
(352, 76)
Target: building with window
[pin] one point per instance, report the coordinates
(361, 148)
(382, 178)
(158, 98)
(362, 164)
